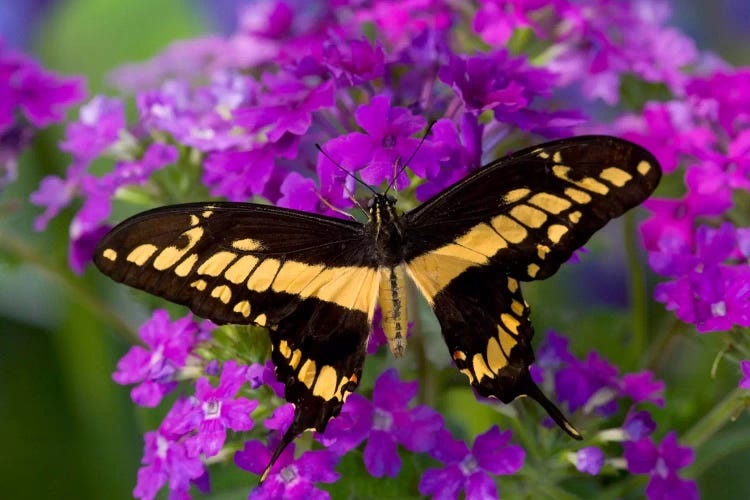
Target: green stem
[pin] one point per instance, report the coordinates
(24, 252)
(638, 298)
(721, 413)
(660, 347)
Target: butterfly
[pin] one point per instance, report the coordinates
(314, 281)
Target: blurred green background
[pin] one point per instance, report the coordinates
(67, 431)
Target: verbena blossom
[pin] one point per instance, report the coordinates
(214, 410)
(471, 470)
(30, 98)
(289, 477)
(661, 464)
(166, 458)
(589, 460)
(385, 422)
(153, 368)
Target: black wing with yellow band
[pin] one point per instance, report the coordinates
(528, 212)
(517, 219)
(308, 278)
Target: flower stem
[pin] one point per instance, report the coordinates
(723, 412)
(637, 289)
(25, 253)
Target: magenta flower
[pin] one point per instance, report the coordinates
(214, 410)
(638, 425)
(288, 478)
(385, 423)
(43, 97)
(387, 143)
(470, 469)
(264, 374)
(590, 460)
(661, 464)
(154, 368)
(99, 125)
(166, 458)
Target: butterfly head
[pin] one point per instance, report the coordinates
(382, 208)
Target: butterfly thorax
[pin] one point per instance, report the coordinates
(386, 229)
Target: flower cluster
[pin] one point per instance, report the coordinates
(30, 98)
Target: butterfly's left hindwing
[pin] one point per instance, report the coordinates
(311, 280)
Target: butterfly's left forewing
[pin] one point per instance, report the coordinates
(516, 219)
(311, 280)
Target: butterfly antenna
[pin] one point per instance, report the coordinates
(337, 209)
(345, 170)
(403, 167)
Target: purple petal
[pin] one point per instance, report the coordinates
(442, 484)
(493, 453)
(674, 455)
(641, 456)
(390, 393)
(481, 486)
(590, 460)
(417, 429)
(254, 457)
(381, 456)
(671, 487)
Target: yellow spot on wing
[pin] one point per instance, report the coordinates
(555, 232)
(577, 196)
(549, 202)
(528, 215)
(506, 341)
(509, 229)
(141, 254)
(433, 272)
(215, 264)
(263, 275)
(532, 270)
(574, 217)
(511, 323)
(586, 183)
(293, 276)
(517, 308)
(284, 349)
(247, 244)
(542, 251)
(261, 320)
(483, 239)
(199, 284)
(543, 155)
(643, 167)
(616, 176)
(296, 357)
(223, 293)
(495, 357)
(109, 254)
(184, 267)
(325, 385)
(515, 195)
(460, 252)
(194, 220)
(207, 214)
(481, 369)
(459, 355)
(242, 307)
(239, 271)
(557, 157)
(306, 373)
(171, 254)
(512, 285)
